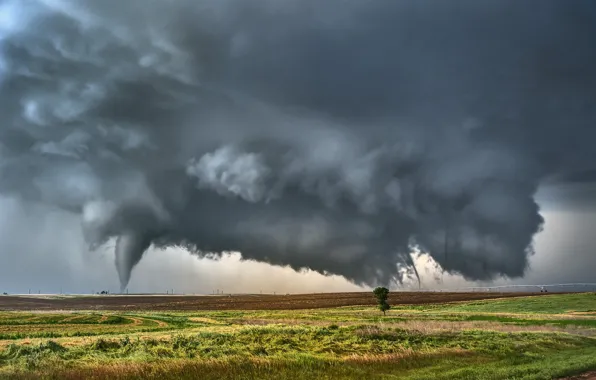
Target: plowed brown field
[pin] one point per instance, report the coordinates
(236, 302)
(586, 376)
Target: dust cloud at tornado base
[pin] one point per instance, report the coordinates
(342, 139)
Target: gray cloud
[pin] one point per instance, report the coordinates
(322, 135)
(231, 173)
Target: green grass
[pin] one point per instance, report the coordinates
(552, 304)
(32, 319)
(497, 339)
(526, 321)
(417, 367)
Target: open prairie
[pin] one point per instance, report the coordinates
(323, 336)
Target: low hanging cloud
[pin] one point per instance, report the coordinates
(336, 137)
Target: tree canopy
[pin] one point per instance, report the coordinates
(381, 294)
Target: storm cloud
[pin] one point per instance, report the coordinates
(338, 136)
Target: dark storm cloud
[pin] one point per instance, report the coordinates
(335, 136)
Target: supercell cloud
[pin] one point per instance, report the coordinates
(339, 136)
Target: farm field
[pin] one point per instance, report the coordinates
(234, 302)
(525, 337)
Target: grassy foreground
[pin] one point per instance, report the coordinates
(518, 338)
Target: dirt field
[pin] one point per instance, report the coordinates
(235, 302)
(586, 376)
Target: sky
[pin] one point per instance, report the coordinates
(564, 254)
(329, 146)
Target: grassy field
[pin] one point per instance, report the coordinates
(515, 338)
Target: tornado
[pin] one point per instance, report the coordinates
(129, 250)
(309, 135)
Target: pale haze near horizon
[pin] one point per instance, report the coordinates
(58, 259)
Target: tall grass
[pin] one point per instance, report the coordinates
(496, 339)
(447, 365)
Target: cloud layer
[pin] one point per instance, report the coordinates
(324, 135)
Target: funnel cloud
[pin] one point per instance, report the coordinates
(342, 137)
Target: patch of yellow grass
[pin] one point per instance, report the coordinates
(158, 335)
(221, 368)
(431, 327)
(205, 320)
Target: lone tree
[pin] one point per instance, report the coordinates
(381, 294)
